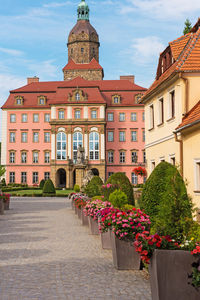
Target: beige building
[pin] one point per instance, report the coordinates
(168, 103)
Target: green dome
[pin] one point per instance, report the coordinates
(83, 11)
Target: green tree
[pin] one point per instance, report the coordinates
(166, 201)
(49, 188)
(94, 187)
(2, 170)
(188, 26)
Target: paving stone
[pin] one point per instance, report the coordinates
(46, 254)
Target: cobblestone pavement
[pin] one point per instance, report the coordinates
(46, 254)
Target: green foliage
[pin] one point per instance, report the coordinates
(3, 182)
(127, 207)
(49, 188)
(122, 181)
(76, 188)
(94, 187)
(188, 26)
(97, 198)
(118, 199)
(42, 182)
(2, 170)
(165, 200)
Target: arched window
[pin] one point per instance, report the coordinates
(77, 140)
(77, 96)
(94, 146)
(61, 146)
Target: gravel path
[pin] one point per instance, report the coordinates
(46, 254)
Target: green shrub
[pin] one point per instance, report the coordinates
(49, 188)
(76, 188)
(42, 182)
(165, 200)
(118, 199)
(122, 182)
(127, 207)
(94, 187)
(3, 182)
(97, 198)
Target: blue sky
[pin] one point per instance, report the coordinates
(33, 37)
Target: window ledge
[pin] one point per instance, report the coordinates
(197, 192)
(161, 124)
(150, 129)
(171, 119)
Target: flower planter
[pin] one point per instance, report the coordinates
(106, 240)
(169, 270)
(79, 212)
(76, 210)
(6, 205)
(72, 204)
(1, 207)
(84, 218)
(93, 226)
(124, 255)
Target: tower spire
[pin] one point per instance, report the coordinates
(83, 11)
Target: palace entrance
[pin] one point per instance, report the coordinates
(61, 178)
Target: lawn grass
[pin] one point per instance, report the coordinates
(38, 192)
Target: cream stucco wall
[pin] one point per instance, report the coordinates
(191, 156)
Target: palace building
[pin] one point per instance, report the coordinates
(44, 123)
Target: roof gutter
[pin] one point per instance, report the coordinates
(187, 126)
(186, 93)
(180, 141)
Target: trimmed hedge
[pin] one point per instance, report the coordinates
(49, 188)
(76, 188)
(42, 182)
(122, 182)
(93, 188)
(118, 199)
(165, 200)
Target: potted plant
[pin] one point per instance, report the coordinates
(169, 267)
(105, 226)
(6, 199)
(126, 225)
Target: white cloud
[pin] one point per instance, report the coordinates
(161, 9)
(11, 51)
(44, 70)
(145, 50)
(57, 4)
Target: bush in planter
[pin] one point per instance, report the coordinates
(49, 188)
(165, 200)
(121, 181)
(76, 188)
(42, 182)
(94, 187)
(3, 182)
(118, 199)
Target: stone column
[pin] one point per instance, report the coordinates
(53, 146)
(102, 146)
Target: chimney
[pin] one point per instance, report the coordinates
(32, 79)
(131, 78)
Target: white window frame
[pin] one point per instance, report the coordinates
(47, 117)
(110, 157)
(94, 114)
(35, 137)
(46, 157)
(109, 136)
(47, 137)
(24, 137)
(23, 157)
(161, 110)
(12, 118)
(197, 175)
(35, 177)
(132, 156)
(122, 136)
(35, 157)
(152, 165)
(93, 152)
(77, 114)
(170, 111)
(23, 177)
(122, 157)
(133, 135)
(63, 146)
(46, 175)
(134, 178)
(77, 141)
(12, 138)
(11, 177)
(24, 118)
(35, 118)
(110, 117)
(61, 114)
(133, 117)
(172, 159)
(12, 157)
(122, 117)
(151, 116)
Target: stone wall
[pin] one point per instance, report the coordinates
(86, 74)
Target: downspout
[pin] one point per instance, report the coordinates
(186, 104)
(180, 141)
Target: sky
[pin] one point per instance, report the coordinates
(132, 33)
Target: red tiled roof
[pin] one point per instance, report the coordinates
(191, 118)
(186, 53)
(94, 65)
(98, 91)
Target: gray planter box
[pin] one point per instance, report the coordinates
(7, 205)
(84, 218)
(79, 212)
(76, 210)
(169, 271)
(106, 240)
(93, 226)
(72, 204)
(124, 255)
(1, 207)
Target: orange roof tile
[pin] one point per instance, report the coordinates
(92, 65)
(191, 118)
(186, 53)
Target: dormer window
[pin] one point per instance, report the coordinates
(77, 97)
(116, 99)
(41, 100)
(19, 100)
(82, 50)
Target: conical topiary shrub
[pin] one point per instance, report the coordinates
(122, 182)
(165, 200)
(49, 189)
(42, 182)
(94, 187)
